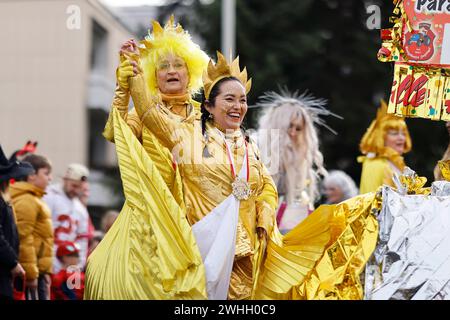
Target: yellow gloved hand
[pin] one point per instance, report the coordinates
(123, 72)
(129, 63)
(129, 67)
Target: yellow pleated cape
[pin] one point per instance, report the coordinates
(150, 252)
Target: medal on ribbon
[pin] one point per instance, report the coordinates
(240, 186)
(241, 189)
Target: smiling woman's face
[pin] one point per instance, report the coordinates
(396, 139)
(172, 75)
(230, 105)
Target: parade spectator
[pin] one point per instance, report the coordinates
(69, 215)
(338, 187)
(108, 220)
(446, 156)
(34, 224)
(68, 283)
(10, 267)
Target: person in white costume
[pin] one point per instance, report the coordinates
(289, 144)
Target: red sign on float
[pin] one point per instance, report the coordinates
(426, 36)
(410, 92)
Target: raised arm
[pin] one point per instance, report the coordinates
(122, 96)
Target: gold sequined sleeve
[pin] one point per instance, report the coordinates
(156, 118)
(120, 102)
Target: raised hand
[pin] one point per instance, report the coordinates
(129, 63)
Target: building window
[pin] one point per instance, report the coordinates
(99, 47)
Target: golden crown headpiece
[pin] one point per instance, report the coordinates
(383, 115)
(216, 72)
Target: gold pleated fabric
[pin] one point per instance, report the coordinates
(324, 256)
(163, 160)
(150, 251)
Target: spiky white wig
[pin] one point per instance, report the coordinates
(294, 166)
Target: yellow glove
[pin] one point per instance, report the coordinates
(129, 67)
(123, 72)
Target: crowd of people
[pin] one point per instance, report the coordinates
(46, 233)
(206, 202)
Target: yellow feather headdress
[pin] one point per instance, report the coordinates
(171, 39)
(216, 72)
(373, 139)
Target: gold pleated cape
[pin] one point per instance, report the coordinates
(150, 251)
(324, 256)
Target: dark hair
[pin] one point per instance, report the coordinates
(38, 162)
(212, 100)
(4, 184)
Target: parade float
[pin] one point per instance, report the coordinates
(412, 258)
(419, 45)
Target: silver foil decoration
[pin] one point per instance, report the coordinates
(412, 257)
(440, 188)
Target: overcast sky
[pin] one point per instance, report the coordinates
(130, 3)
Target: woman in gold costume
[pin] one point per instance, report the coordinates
(220, 241)
(172, 65)
(383, 144)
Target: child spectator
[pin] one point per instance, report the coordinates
(68, 283)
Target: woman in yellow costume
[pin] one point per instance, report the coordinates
(172, 65)
(383, 144)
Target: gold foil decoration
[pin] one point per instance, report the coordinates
(411, 183)
(444, 165)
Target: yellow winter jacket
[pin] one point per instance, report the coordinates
(34, 223)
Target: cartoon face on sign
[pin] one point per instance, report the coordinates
(426, 32)
(420, 43)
